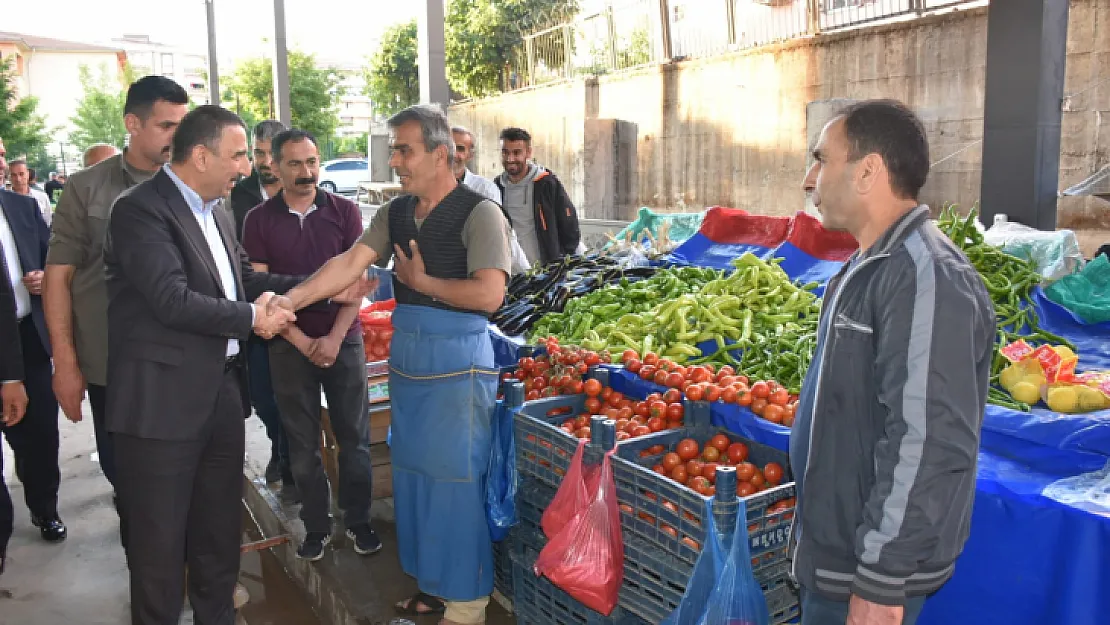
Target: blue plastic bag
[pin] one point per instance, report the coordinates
(722, 589)
(501, 479)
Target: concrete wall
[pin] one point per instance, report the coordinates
(731, 130)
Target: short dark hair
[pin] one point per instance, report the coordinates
(144, 92)
(19, 161)
(515, 134)
(268, 129)
(891, 130)
(203, 125)
(292, 135)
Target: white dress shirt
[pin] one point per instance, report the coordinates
(203, 212)
(15, 271)
(44, 204)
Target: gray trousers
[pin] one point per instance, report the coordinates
(819, 610)
(297, 384)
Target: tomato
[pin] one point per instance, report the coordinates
(655, 424)
(726, 370)
(611, 413)
(712, 392)
(712, 492)
(745, 399)
(687, 449)
(788, 420)
(532, 395)
(651, 358)
(729, 395)
(624, 413)
(653, 397)
(699, 374)
(694, 467)
(658, 409)
(582, 433)
(521, 375)
(537, 383)
(615, 399)
(673, 380)
(527, 363)
(773, 413)
(679, 475)
(721, 442)
(633, 365)
(660, 377)
(640, 408)
(773, 473)
(760, 390)
(623, 436)
(632, 425)
(691, 543)
(641, 430)
(629, 354)
(675, 412)
(592, 359)
(744, 489)
(711, 454)
(582, 421)
(670, 507)
(758, 405)
(622, 424)
(625, 508)
(680, 370)
(745, 471)
(672, 395)
(737, 453)
(581, 368)
(657, 449)
(699, 484)
(780, 397)
(694, 392)
(674, 425)
(709, 471)
(670, 461)
(758, 479)
(647, 372)
(593, 405)
(660, 469)
(638, 420)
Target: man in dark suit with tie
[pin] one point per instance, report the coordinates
(13, 395)
(179, 287)
(34, 441)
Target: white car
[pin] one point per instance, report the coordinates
(343, 175)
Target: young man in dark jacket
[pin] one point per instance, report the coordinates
(886, 437)
(539, 209)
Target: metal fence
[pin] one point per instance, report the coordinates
(630, 33)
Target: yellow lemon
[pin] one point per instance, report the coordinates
(1026, 393)
(1063, 399)
(1091, 399)
(1036, 379)
(1010, 376)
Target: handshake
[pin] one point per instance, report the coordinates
(272, 314)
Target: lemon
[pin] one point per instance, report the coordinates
(1010, 376)
(1091, 399)
(1036, 379)
(1026, 393)
(1063, 399)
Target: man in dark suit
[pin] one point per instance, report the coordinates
(179, 287)
(34, 441)
(13, 395)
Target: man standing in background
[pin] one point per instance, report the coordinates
(76, 297)
(539, 209)
(52, 186)
(260, 186)
(22, 183)
(99, 152)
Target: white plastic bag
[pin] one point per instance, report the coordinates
(1056, 254)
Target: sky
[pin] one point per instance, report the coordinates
(335, 30)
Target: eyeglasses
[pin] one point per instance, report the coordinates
(460, 148)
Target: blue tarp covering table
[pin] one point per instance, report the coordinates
(1039, 551)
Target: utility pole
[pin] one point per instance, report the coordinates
(213, 71)
(281, 67)
(432, 54)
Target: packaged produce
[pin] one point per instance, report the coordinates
(1047, 374)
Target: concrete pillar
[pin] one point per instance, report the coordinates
(609, 155)
(1026, 46)
(432, 54)
(213, 69)
(282, 110)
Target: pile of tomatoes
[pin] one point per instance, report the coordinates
(634, 418)
(559, 372)
(377, 333)
(695, 467)
(766, 398)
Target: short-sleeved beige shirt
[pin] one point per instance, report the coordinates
(485, 235)
(77, 239)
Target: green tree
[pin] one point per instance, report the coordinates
(23, 130)
(313, 92)
(99, 114)
(352, 145)
(482, 36)
(392, 80)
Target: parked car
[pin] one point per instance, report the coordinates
(343, 174)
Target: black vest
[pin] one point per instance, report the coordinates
(440, 241)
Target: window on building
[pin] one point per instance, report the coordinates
(167, 63)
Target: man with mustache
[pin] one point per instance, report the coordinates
(295, 233)
(75, 295)
(252, 191)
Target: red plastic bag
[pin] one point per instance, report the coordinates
(586, 557)
(572, 497)
(377, 329)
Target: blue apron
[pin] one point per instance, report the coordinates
(443, 393)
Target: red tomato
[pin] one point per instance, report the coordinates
(657, 409)
(699, 484)
(745, 471)
(660, 469)
(758, 479)
(655, 424)
(633, 365)
(678, 474)
(531, 396)
(694, 392)
(674, 380)
(773, 413)
(745, 399)
(615, 399)
(729, 395)
(773, 473)
(687, 449)
(709, 471)
(760, 390)
(641, 430)
(582, 433)
(711, 454)
(527, 363)
(788, 420)
(582, 421)
(591, 359)
(675, 412)
(726, 370)
(611, 413)
(593, 405)
(505, 377)
(641, 409)
(670, 531)
(737, 453)
(744, 489)
(629, 354)
(781, 397)
(758, 405)
(694, 467)
(539, 383)
(606, 392)
(712, 392)
(657, 449)
(647, 372)
(569, 429)
(651, 358)
(622, 424)
(660, 377)
(653, 397)
(670, 461)
(581, 368)
(672, 395)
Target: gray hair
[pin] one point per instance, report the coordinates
(91, 152)
(266, 130)
(434, 127)
(19, 161)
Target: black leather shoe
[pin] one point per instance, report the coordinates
(52, 530)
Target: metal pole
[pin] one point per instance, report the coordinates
(431, 54)
(213, 71)
(281, 67)
(665, 31)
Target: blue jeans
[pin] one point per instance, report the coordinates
(820, 610)
(265, 404)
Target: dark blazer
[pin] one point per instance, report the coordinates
(246, 195)
(168, 318)
(11, 352)
(32, 239)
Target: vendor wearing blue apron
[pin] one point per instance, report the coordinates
(452, 259)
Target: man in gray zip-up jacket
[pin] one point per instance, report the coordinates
(887, 430)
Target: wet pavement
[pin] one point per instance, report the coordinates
(275, 600)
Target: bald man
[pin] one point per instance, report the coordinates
(99, 152)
